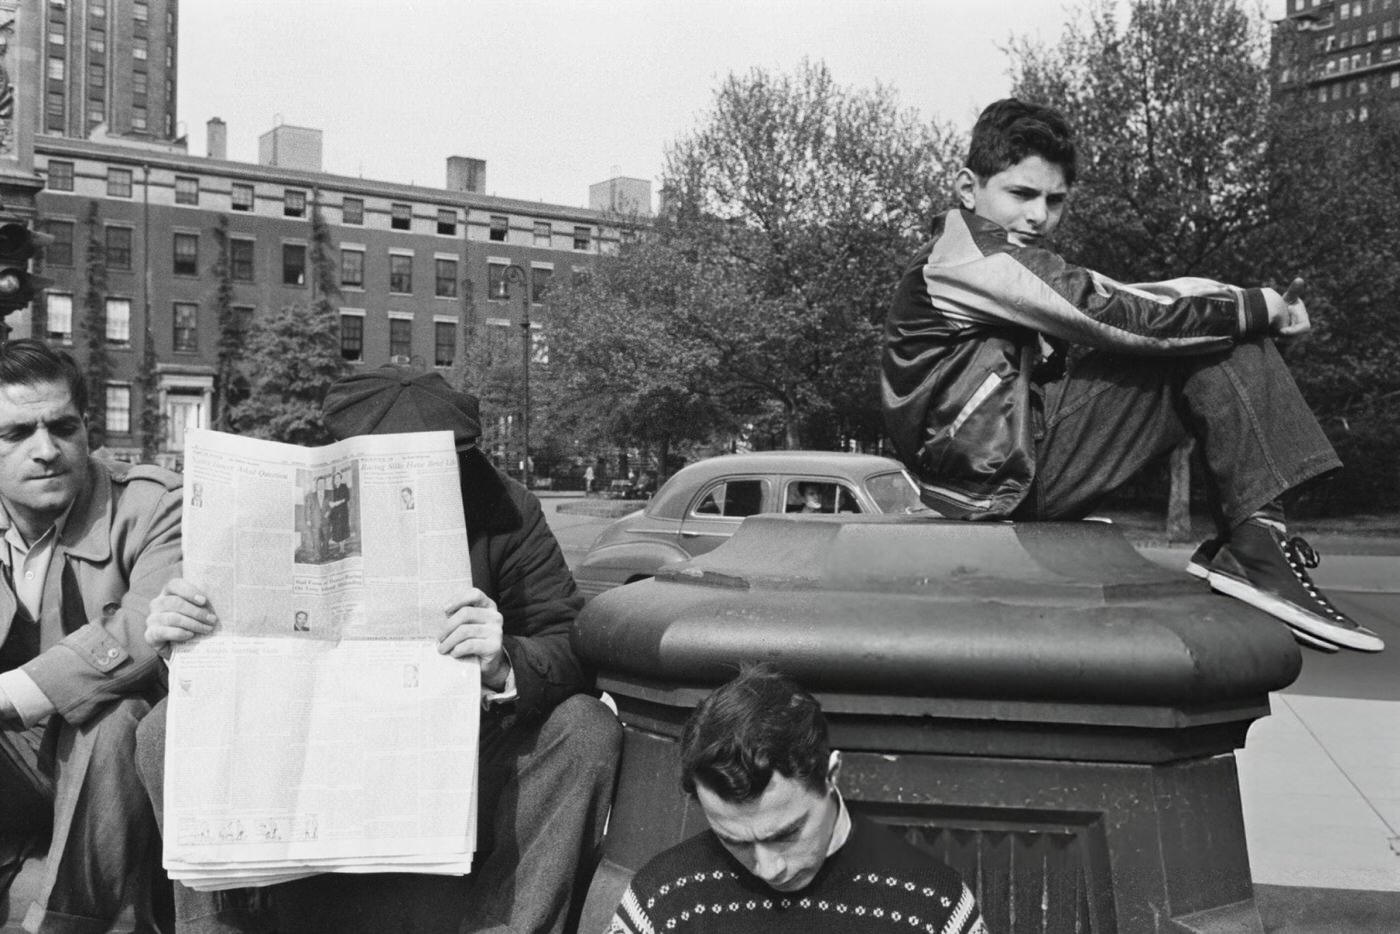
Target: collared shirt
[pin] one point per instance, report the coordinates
(842, 830)
(29, 570)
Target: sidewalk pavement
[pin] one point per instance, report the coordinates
(1320, 778)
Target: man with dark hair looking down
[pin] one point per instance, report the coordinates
(783, 853)
(996, 418)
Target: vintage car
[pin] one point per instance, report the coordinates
(700, 507)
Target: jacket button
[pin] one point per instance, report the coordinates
(113, 653)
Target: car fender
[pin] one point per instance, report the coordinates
(626, 560)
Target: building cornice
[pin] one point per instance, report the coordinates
(117, 154)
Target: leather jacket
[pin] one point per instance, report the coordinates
(973, 318)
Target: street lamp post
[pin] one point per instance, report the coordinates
(516, 274)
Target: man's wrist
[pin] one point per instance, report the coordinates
(495, 673)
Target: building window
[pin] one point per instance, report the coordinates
(138, 48)
(242, 197)
(118, 248)
(352, 269)
(583, 238)
(445, 284)
(539, 283)
(496, 280)
(138, 118)
(138, 82)
(140, 11)
(352, 337)
(56, 68)
(539, 346)
(60, 318)
(500, 226)
(186, 328)
(119, 321)
(97, 43)
(119, 183)
(186, 254)
(243, 318)
(400, 337)
(240, 260)
(400, 273)
(294, 264)
(444, 343)
(60, 175)
(53, 114)
(447, 222)
(60, 252)
(294, 203)
(97, 80)
(119, 408)
(401, 216)
(352, 211)
(544, 234)
(186, 190)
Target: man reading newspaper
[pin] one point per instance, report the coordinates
(548, 749)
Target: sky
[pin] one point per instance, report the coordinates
(556, 95)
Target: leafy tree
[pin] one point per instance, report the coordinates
(803, 198)
(230, 386)
(792, 207)
(293, 356)
(99, 365)
(1172, 116)
(1338, 212)
(152, 420)
(624, 369)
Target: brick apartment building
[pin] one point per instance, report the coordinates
(1342, 55)
(93, 159)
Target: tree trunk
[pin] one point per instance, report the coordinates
(1179, 500)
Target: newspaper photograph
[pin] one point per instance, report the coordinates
(318, 728)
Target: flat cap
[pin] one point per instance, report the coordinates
(395, 399)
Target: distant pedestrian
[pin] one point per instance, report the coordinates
(588, 479)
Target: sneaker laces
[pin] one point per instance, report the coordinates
(1302, 556)
(1298, 550)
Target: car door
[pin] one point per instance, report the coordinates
(715, 513)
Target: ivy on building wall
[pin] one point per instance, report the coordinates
(98, 364)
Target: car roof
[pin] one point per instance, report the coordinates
(675, 494)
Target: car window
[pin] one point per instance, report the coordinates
(894, 492)
(732, 498)
(820, 496)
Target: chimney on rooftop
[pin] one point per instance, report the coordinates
(216, 145)
(466, 174)
(291, 147)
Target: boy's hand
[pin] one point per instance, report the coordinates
(1292, 324)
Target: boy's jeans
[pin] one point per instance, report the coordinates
(1112, 414)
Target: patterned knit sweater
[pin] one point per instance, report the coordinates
(876, 882)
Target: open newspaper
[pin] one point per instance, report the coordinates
(318, 729)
